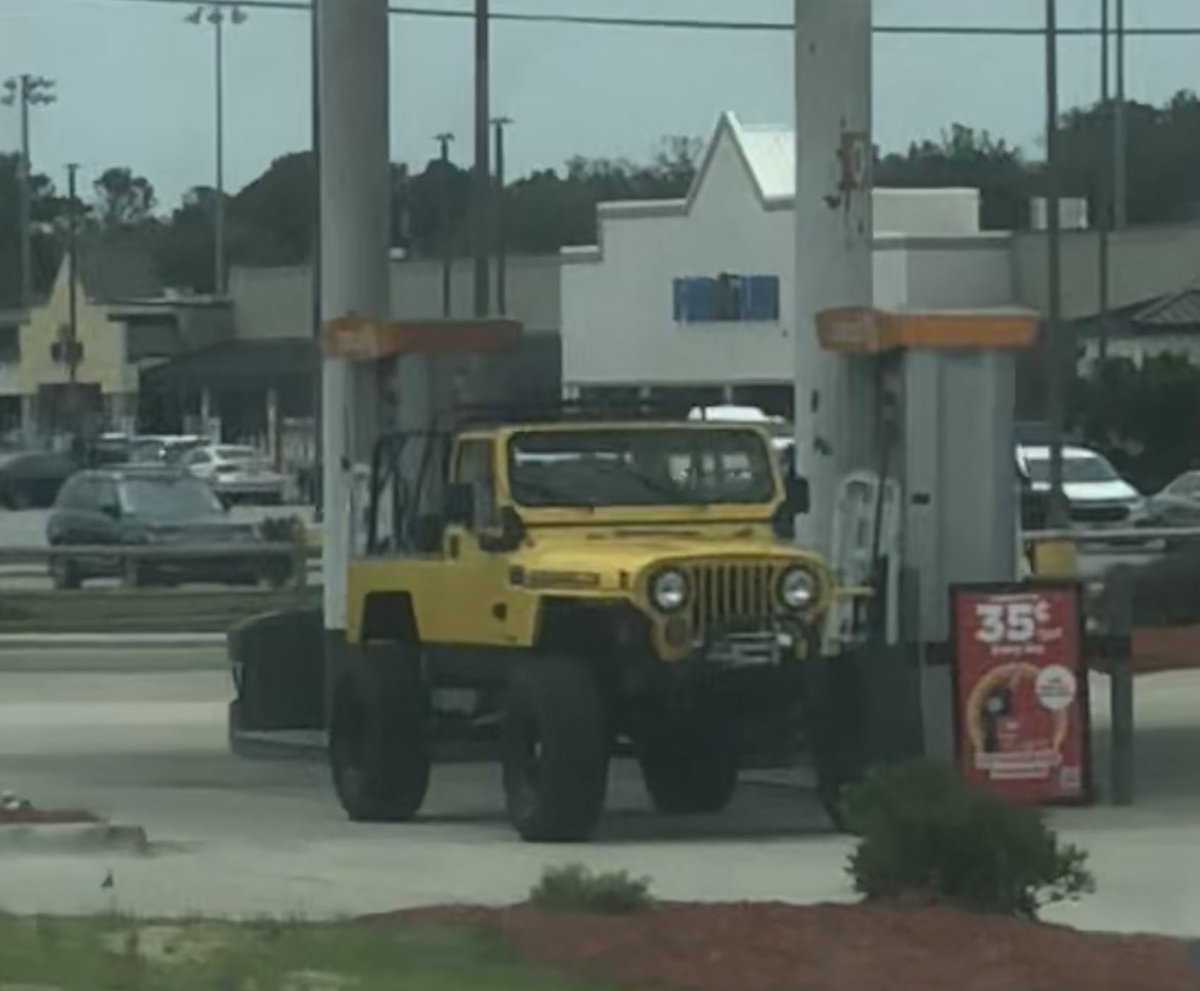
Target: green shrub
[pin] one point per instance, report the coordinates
(574, 888)
(924, 832)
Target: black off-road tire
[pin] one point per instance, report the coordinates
(555, 747)
(835, 734)
(690, 759)
(64, 574)
(136, 574)
(379, 746)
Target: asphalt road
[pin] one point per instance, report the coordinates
(114, 730)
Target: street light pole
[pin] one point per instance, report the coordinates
(24, 91)
(219, 207)
(316, 489)
(482, 182)
(215, 14)
(500, 123)
(444, 139)
(73, 417)
(1104, 195)
(1058, 349)
(1120, 202)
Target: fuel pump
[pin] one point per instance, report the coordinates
(938, 509)
(421, 373)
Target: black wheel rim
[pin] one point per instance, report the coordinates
(349, 752)
(527, 762)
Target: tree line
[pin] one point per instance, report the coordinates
(271, 220)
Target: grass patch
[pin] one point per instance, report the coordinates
(121, 954)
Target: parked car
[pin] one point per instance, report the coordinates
(161, 448)
(783, 433)
(140, 505)
(1097, 496)
(108, 449)
(237, 473)
(31, 479)
(1177, 505)
(177, 446)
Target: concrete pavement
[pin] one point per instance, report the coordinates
(250, 838)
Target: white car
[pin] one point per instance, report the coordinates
(1097, 496)
(783, 434)
(237, 473)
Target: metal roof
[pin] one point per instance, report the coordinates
(235, 363)
(1180, 310)
(769, 151)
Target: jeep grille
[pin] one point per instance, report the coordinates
(728, 595)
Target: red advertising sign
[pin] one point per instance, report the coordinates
(1021, 701)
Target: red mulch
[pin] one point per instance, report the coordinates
(27, 815)
(772, 947)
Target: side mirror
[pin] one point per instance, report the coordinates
(111, 509)
(797, 495)
(796, 502)
(459, 503)
(512, 533)
(427, 534)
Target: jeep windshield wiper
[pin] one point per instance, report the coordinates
(553, 494)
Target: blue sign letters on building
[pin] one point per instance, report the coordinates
(727, 299)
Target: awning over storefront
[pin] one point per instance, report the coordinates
(236, 364)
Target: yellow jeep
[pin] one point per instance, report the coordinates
(575, 585)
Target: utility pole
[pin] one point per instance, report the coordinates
(500, 123)
(482, 180)
(73, 417)
(216, 14)
(1120, 203)
(834, 394)
(317, 489)
(444, 139)
(25, 91)
(1104, 187)
(1058, 350)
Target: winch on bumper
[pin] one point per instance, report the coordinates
(734, 614)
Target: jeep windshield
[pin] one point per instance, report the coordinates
(639, 467)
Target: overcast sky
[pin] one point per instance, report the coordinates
(135, 80)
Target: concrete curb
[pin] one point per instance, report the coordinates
(90, 837)
(86, 641)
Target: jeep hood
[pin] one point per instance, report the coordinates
(611, 552)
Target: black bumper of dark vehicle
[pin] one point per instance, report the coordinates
(236, 570)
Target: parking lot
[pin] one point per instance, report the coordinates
(139, 735)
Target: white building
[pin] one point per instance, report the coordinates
(698, 292)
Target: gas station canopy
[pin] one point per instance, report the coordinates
(861, 330)
(357, 338)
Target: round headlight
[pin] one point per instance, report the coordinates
(669, 590)
(797, 588)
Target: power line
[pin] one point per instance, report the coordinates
(687, 23)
